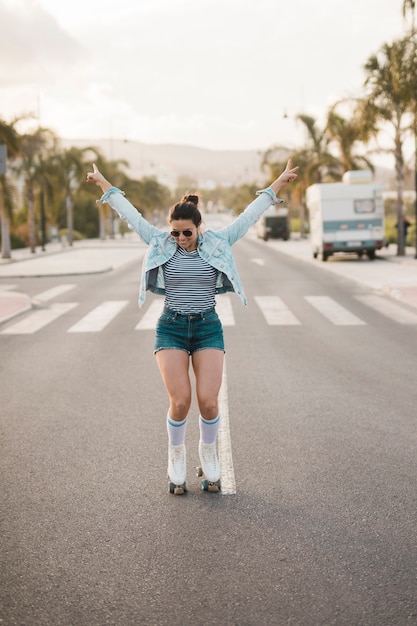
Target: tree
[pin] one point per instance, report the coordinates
(389, 84)
(409, 7)
(315, 160)
(346, 134)
(10, 138)
(72, 168)
(36, 148)
(321, 163)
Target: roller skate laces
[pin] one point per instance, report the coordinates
(176, 469)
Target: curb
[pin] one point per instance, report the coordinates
(57, 275)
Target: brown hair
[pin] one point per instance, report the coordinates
(186, 209)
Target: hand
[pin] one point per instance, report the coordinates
(95, 176)
(287, 176)
(98, 179)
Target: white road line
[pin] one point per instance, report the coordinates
(99, 317)
(391, 310)
(275, 311)
(227, 473)
(225, 311)
(333, 311)
(49, 294)
(258, 261)
(150, 317)
(38, 319)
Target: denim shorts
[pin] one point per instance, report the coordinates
(190, 332)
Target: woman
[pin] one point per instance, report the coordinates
(189, 268)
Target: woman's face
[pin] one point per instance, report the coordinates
(185, 233)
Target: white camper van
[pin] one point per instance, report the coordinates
(346, 216)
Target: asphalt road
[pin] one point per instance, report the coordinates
(322, 527)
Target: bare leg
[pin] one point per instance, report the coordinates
(174, 369)
(208, 370)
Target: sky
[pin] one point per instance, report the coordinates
(218, 74)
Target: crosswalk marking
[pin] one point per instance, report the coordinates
(150, 317)
(99, 317)
(333, 311)
(38, 319)
(49, 294)
(4, 287)
(389, 309)
(225, 311)
(275, 311)
(273, 308)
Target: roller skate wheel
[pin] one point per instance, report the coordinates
(177, 490)
(210, 487)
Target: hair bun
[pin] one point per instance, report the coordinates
(191, 198)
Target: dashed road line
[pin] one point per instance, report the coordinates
(224, 444)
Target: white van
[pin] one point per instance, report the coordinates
(346, 216)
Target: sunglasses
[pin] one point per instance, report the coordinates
(177, 233)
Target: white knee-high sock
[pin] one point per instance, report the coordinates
(209, 429)
(176, 431)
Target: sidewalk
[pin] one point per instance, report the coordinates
(90, 256)
(392, 275)
(389, 274)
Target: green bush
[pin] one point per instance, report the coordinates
(16, 242)
(391, 235)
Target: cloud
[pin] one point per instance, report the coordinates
(33, 46)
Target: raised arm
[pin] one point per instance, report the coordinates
(239, 227)
(122, 206)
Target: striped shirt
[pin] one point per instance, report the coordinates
(190, 282)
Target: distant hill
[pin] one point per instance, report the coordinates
(169, 161)
(208, 168)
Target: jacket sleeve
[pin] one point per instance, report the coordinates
(127, 212)
(253, 212)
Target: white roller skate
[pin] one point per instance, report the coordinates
(176, 469)
(210, 467)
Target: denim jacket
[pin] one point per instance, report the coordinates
(214, 246)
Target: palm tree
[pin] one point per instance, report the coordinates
(36, 147)
(346, 133)
(72, 165)
(10, 139)
(390, 81)
(322, 164)
(112, 170)
(409, 6)
(314, 158)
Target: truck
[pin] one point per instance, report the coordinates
(274, 224)
(347, 216)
